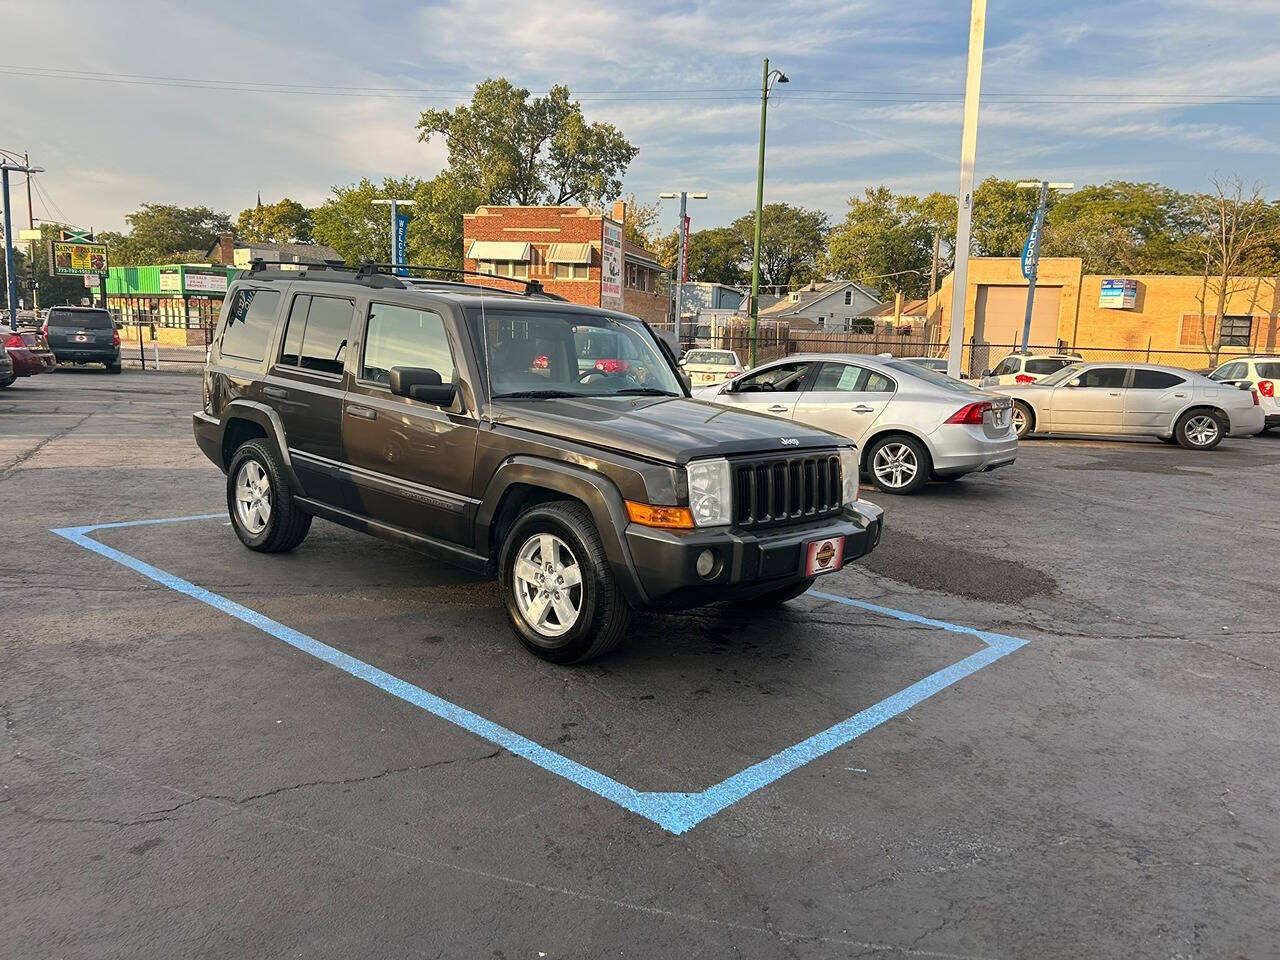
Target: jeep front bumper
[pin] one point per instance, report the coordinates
(748, 562)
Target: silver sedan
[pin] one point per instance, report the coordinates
(910, 423)
(1138, 399)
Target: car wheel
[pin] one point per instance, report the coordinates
(113, 367)
(1200, 429)
(898, 464)
(6, 383)
(262, 508)
(1023, 418)
(558, 588)
(775, 598)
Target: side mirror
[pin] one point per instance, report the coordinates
(422, 384)
(684, 378)
(1072, 383)
(986, 373)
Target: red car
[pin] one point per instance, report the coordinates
(29, 352)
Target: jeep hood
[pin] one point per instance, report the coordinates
(664, 429)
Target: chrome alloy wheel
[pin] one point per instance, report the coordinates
(895, 465)
(1201, 430)
(548, 585)
(1019, 419)
(253, 497)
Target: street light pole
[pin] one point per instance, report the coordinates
(395, 210)
(1031, 252)
(11, 280)
(683, 252)
(765, 84)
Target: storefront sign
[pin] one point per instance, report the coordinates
(171, 282)
(1118, 294)
(611, 266)
(77, 259)
(206, 282)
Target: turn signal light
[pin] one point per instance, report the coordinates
(1024, 378)
(649, 515)
(1267, 388)
(971, 413)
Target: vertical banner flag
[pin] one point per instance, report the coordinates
(1031, 249)
(402, 228)
(684, 261)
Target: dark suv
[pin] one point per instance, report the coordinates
(83, 335)
(478, 425)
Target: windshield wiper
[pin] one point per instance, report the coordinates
(537, 395)
(644, 392)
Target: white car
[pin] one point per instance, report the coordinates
(1136, 399)
(910, 423)
(1263, 375)
(1022, 368)
(708, 367)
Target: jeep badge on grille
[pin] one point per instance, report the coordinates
(789, 441)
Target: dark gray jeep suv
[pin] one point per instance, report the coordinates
(552, 445)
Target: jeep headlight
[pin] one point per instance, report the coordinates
(710, 492)
(849, 469)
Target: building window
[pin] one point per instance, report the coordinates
(848, 298)
(572, 271)
(504, 268)
(1236, 331)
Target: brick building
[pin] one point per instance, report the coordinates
(573, 252)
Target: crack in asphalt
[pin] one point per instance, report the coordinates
(375, 776)
(14, 465)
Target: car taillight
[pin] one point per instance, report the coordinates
(115, 338)
(1267, 388)
(541, 362)
(15, 341)
(44, 331)
(970, 413)
(1024, 378)
(612, 366)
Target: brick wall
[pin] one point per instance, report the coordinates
(541, 227)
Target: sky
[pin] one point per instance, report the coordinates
(269, 98)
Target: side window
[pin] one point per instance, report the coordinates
(782, 378)
(1042, 367)
(316, 334)
(250, 321)
(404, 337)
(1155, 380)
(1107, 378)
(1007, 366)
(838, 376)
(878, 383)
(1231, 371)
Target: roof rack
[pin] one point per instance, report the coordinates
(382, 275)
(531, 287)
(334, 270)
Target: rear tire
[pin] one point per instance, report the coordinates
(1023, 419)
(559, 591)
(899, 464)
(113, 367)
(776, 598)
(1200, 429)
(263, 512)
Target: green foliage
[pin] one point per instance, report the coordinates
(285, 221)
(716, 255)
(884, 234)
(792, 243)
(641, 219)
(164, 233)
(351, 224)
(516, 150)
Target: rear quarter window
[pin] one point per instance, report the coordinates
(83, 319)
(249, 323)
(1269, 370)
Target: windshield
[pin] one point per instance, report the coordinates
(1066, 373)
(715, 358)
(931, 376)
(536, 354)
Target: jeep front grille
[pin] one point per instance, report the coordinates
(786, 489)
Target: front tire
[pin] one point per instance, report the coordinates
(557, 586)
(899, 464)
(1200, 429)
(263, 512)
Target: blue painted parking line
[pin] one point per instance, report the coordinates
(675, 812)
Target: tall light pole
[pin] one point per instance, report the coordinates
(683, 255)
(396, 261)
(1031, 251)
(11, 281)
(964, 196)
(770, 77)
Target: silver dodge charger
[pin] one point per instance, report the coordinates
(911, 424)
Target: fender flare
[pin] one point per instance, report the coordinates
(596, 492)
(269, 420)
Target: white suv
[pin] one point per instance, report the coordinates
(1021, 368)
(1261, 373)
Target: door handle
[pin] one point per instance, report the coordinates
(364, 413)
(862, 408)
(1113, 394)
(276, 392)
(777, 409)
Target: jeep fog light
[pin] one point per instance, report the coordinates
(709, 492)
(705, 564)
(849, 469)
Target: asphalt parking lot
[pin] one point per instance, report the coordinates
(180, 782)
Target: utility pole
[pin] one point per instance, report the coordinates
(397, 238)
(1031, 249)
(769, 78)
(964, 196)
(682, 258)
(31, 244)
(11, 281)
(933, 271)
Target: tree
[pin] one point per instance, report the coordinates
(351, 223)
(716, 255)
(517, 150)
(1238, 235)
(641, 220)
(285, 221)
(792, 243)
(885, 240)
(160, 232)
(1120, 227)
